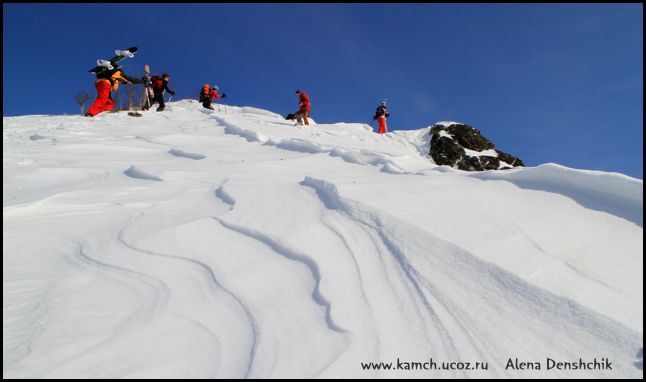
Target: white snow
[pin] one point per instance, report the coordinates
(485, 153)
(204, 244)
(447, 123)
(444, 133)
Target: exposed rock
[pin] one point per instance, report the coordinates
(470, 138)
(445, 151)
(448, 144)
(512, 160)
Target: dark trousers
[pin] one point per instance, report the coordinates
(158, 96)
(206, 102)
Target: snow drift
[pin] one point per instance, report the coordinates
(198, 243)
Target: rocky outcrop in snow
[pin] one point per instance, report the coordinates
(464, 147)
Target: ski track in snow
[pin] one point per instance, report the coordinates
(212, 256)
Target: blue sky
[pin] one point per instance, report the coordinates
(556, 83)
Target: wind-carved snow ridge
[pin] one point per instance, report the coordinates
(147, 139)
(159, 291)
(458, 289)
(612, 193)
(210, 275)
(318, 141)
(230, 128)
(135, 172)
(222, 194)
(184, 154)
(278, 247)
(38, 137)
(329, 196)
(300, 145)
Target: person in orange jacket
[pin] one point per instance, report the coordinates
(303, 107)
(208, 94)
(107, 81)
(380, 115)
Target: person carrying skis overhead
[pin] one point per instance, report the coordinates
(380, 115)
(208, 94)
(160, 84)
(303, 107)
(107, 81)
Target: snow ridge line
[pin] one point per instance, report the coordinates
(277, 246)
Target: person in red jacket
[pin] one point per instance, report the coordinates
(106, 81)
(303, 107)
(208, 94)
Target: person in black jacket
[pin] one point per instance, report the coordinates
(159, 86)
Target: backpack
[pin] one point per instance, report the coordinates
(381, 111)
(157, 82)
(204, 92)
(115, 78)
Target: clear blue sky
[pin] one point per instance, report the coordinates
(549, 83)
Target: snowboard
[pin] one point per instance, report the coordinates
(121, 54)
(149, 82)
(148, 87)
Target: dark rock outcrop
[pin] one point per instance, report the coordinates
(464, 147)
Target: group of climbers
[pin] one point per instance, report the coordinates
(109, 76)
(105, 83)
(109, 80)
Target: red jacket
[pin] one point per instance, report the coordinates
(214, 94)
(304, 101)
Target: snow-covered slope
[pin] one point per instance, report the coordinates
(193, 243)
